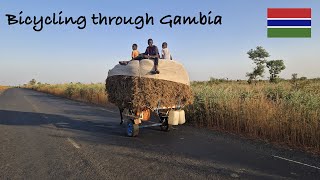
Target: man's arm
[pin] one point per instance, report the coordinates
(162, 54)
(146, 54)
(157, 52)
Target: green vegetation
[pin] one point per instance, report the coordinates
(275, 67)
(259, 57)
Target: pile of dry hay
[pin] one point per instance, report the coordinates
(139, 92)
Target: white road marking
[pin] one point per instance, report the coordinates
(35, 108)
(107, 110)
(74, 143)
(234, 175)
(296, 162)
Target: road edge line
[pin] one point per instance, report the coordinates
(297, 162)
(73, 143)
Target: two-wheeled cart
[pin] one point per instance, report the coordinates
(138, 119)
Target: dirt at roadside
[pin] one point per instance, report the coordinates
(2, 89)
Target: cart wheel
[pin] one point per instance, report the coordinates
(132, 129)
(165, 126)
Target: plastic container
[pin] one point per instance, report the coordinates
(182, 117)
(173, 117)
(146, 115)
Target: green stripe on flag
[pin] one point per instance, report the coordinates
(289, 32)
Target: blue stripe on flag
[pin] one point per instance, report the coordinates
(289, 22)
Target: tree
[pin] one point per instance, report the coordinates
(275, 67)
(258, 56)
(303, 78)
(294, 77)
(32, 82)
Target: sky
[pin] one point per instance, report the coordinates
(64, 53)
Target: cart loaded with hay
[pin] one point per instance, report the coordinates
(138, 93)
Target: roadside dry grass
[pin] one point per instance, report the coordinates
(3, 88)
(285, 113)
(92, 93)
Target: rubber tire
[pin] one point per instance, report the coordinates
(132, 129)
(165, 126)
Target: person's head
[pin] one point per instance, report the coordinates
(164, 45)
(150, 42)
(134, 46)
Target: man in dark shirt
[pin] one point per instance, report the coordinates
(152, 52)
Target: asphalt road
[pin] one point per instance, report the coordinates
(47, 137)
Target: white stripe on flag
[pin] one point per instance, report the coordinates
(288, 26)
(289, 18)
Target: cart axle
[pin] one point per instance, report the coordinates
(151, 125)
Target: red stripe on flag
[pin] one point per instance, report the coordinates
(289, 12)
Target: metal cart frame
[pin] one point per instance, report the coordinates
(135, 123)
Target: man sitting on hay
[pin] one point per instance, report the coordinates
(151, 52)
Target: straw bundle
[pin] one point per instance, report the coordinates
(139, 92)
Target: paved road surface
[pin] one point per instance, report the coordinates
(47, 137)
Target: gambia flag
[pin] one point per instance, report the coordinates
(289, 22)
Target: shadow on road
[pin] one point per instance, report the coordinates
(82, 108)
(17, 118)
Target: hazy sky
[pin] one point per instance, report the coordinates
(60, 54)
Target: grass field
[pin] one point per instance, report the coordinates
(92, 93)
(286, 113)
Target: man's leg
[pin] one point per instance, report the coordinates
(121, 111)
(123, 62)
(156, 62)
(139, 57)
